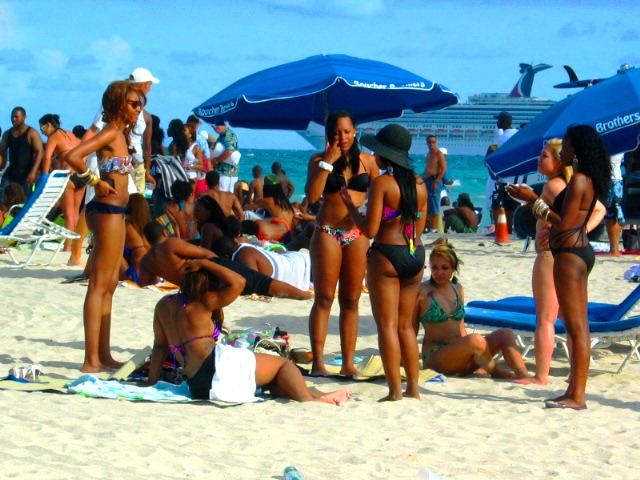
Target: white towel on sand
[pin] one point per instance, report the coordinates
(235, 377)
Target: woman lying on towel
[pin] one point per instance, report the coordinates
(182, 325)
(282, 216)
(447, 348)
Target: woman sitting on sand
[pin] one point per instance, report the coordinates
(281, 217)
(181, 210)
(135, 243)
(462, 218)
(182, 325)
(122, 103)
(210, 221)
(447, 348)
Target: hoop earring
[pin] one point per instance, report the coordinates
(390, 170)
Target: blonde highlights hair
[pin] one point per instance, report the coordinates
(556, 147)
(447, 252)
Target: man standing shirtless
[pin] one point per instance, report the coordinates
(435, 168)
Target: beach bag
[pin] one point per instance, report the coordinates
(631, 240)
(261, 339)
(633, 273)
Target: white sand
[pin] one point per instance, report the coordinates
(470, 428)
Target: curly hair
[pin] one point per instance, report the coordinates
(176, 131)
(592, 157)
(447, 252)
(13, 195)
(352, 158)
(181, 190)
(114, 101)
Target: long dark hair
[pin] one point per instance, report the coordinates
(352, 159)
(276, 192)
(52, 119)
(406, 180)
(176, 131)
(592, 156)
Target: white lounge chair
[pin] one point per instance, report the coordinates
(31, 227)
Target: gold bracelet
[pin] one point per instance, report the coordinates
(94, 179)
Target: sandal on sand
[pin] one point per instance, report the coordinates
(560, 404)
(28, 374)
(76, 279)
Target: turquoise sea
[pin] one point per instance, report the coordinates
(469, 171)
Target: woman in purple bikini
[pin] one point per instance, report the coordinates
(122, 103)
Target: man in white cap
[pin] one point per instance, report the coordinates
(140, 136)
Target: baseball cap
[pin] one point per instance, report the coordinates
(504, 116)
(142, 75)
(443, 150)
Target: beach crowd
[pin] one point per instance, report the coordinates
(181, 214)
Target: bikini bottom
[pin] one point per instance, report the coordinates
(200, 383)
(438, 345)
(405, 264)
(585, 252)
(343, 237)
(98, 207)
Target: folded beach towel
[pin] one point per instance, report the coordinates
(235, 377)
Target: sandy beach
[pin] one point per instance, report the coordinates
(472, 428)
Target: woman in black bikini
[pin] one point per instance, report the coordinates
(122, 103)
(572, 254)
(337, 246)
(396, 215)
(182, 325)
(60, 141)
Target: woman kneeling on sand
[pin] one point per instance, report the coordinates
(447, 348)
(182, 325)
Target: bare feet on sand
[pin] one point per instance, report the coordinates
(75, 262)
(102, 366)
(532, 381)
(339, 397)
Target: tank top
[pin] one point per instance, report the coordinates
(20, 157)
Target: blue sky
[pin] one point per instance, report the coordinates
(58, 56)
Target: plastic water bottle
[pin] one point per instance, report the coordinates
(291, 473)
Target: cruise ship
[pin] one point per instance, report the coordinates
(464, 129)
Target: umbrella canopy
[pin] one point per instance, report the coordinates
(290, 96)
(612, 107)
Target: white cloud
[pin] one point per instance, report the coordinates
(114, 56)
(7, 25)
(348, 8)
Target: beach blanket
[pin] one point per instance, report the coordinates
(160, 287)
(370, 368)
(168, 169)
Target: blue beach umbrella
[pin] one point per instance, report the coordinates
(612, 107)
(289, 96)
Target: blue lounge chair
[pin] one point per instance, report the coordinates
(30, 225)
(597, 312)
(603, 333)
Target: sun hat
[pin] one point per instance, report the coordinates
(392, 142)
(142, 75)
(272, 179)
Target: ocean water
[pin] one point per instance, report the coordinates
(468, 171)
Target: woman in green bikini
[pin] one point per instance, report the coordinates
(447, 348)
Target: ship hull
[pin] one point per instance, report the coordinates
(466, 129)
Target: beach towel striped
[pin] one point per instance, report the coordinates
(167, 170)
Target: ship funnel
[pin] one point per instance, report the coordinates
(524, 84)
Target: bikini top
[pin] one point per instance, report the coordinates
(561, 237)
(389, 213)
(123, 164)
(436, 314)
(357, 183)
(175, 349)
